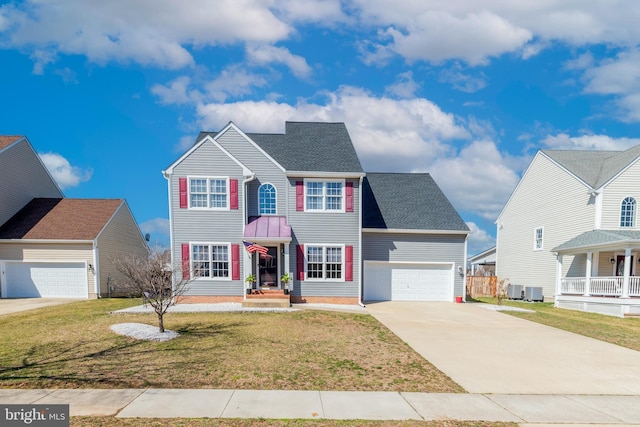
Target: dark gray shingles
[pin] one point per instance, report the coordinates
(410, 201)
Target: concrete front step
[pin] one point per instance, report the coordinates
(266, 303)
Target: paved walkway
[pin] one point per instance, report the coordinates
(341, 405)
(491, 352)
(15, 305)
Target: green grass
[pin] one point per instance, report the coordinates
(615, 330)
(71, 346)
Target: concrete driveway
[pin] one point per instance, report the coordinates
(14, 305)
(491, 352)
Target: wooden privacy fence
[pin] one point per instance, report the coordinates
(482, 286)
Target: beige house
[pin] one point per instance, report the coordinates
(571, 227)
(51, 246)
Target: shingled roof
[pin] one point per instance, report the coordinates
(594, 167)
(308, 147)
(60, 219)
(7, 140)
(411, 201)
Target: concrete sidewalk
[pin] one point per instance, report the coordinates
(339, 405)
(490, 352)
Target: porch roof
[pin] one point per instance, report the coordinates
(272, 228)
(600, 239)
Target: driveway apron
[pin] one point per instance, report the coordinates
(492, 352)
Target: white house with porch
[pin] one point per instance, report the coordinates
(571, 227)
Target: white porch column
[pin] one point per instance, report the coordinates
(627, 273)
(286, 263)
(587, 280)
(559, 275)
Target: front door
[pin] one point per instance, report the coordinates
(268, 268)
(620, 265)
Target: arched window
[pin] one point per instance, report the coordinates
(267, 199)
(628, 212)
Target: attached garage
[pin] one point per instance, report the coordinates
(384, 281)
(40, 279)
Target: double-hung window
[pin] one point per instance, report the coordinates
(209, 193)
(210, 260)
(628, 212)
(325, 262)
(538, 239)
(324, 196)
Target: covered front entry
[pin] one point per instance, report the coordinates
(268, 268)
(42, 279)
(384, 281)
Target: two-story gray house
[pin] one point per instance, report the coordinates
(265, 205)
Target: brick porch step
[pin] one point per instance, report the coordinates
(268, 293)
(267, 302)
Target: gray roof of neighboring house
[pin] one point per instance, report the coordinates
(309, 147)
(594, 167)
(410, 201)
(595, 238)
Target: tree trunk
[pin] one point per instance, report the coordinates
(160, 322)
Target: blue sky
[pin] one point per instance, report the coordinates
(111, 93)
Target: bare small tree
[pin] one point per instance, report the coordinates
(152, 278)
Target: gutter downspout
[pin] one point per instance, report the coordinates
(244, 224)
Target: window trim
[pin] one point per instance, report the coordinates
(275, 190)
(535, 239)
(210, 244)
(208, 207)
(343, 195)
(324, 247)
(633, 213)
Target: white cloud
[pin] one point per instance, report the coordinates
(562, 141)
(63, 172)
(479, 240)
(461, 81)
(266, 54)
(478, 179)
(176, 92)
(404, 87)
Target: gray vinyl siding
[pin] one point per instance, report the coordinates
(207, 226)
(120, 238)
(330, 229)
(625, 185)
(265, 170)
(433, 248)
(22, 178)
(549, 197)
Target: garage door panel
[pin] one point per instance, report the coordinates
(51, 280)
(408, 282)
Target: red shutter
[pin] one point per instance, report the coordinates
(233, 193)
(185, 261)
(182, 184)
(348, 259)
(235, 262)
(299, 196)
(300, 261)
(349, 196)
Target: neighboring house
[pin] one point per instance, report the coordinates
(304, 197)
(51, 246)
(571, 227)
(483, 264)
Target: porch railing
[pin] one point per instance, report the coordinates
(600, 286)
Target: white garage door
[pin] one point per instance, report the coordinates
(408, 282)
(41, 279)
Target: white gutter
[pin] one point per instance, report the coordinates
(244, 224)
(320, 174)
(360, 263)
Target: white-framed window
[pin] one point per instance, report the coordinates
(211, 260)
(628, 212)
(324, 195)
(538, 236)
(325, 262)
(209, 193)
(267, 199)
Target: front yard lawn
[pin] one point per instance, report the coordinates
(621, 331)
(71, 346)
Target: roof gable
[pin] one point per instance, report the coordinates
(60, 219)
(407, 201)
(7, 140)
